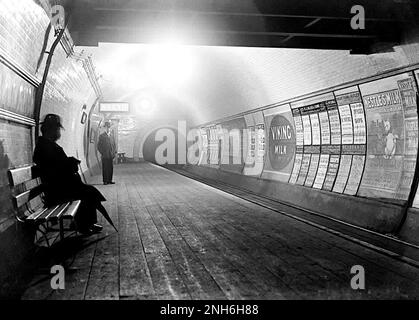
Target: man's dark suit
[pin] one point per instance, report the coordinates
(107, 149)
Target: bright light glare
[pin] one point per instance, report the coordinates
(144, 106)
(170, 65)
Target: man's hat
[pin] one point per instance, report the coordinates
(52, 121)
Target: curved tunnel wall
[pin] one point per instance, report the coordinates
(24, 38)
(349, 153)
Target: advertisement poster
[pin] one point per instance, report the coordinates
(281, 143)
(346, 123)
(250, 141)
(343, 174)
(233, 152)
(203, 159)
(315, 129)
(325, 126)
(321, 171)
(331, 173)
(305, 164)
(310, 150)
(298, 122)
(254, 141)
(296, 170)
(357, 169)
(416, 200)
(352, 115)
(213, 147)
(317, 132)
(299, 131)
(358, 117)
(260, 145)
(330, 150)
(334, 118)
(314, 164)
(306, 128)
(208, 129)
(391, 115)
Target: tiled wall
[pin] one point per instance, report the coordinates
(67, 91)
(22, 30)
(241, 79)
(24, 35)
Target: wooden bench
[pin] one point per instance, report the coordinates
(121, 157)
(27, 194)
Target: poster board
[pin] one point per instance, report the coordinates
(213, 146)
(231, 139)
(318, 128)
(352, 114)
(414, 141)
(280, 143)
(391, 116)
(299, 145)
(203, 148)
(254, 142)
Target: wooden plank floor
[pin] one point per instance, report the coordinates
(180, 239)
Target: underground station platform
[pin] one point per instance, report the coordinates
(184, 239)
(166, 151)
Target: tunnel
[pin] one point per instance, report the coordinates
(209, 150)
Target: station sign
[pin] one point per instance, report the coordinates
(117, 107)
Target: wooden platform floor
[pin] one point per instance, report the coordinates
(180, 239)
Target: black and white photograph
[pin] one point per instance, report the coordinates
(208, 158)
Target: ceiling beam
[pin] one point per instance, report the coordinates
(242, 33)
(265, 23)
(347, 16)
(233, 23)
(376, 9)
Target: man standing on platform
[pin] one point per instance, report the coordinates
(107, 149)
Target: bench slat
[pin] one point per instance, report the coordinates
(27, 191)
(71, 210)
(53, 215)
(27, 196)
(38, 213)
(21, 175)
(65, 210)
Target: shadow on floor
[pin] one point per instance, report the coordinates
(40, 262)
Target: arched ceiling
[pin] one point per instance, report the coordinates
(201, 84)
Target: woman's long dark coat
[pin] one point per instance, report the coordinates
(62, 183)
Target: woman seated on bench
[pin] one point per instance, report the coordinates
(59, 175)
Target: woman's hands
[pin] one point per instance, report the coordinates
(74, 164)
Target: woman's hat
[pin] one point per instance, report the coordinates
(52, 121)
